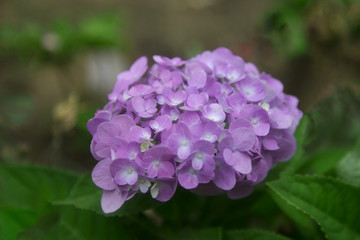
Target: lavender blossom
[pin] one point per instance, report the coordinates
(212, 124)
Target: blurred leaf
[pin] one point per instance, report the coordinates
(286, 28)
(305, 224)
(85, 195)
(326, 159)
(101, 30)
(349, 167)
(252, 234)
(14, 220)
(62, 39)
(33, 187)
(333, 204)
(26, 194)
(203, 234)
(76, 224)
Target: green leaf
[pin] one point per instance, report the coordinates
(33, 187)
(27, 192)
(202, 234)
(85, 195)
(305, 224)
(252, 234)
(14, 221)
(76, 224)
(330, 202)
(349, 167)
(325, 160)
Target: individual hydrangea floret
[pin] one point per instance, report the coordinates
(212, 124)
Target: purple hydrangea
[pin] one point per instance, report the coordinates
(211, 124)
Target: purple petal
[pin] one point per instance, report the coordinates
(252, 70)
(153, 169)
(103, 150)
(106, 132)
(188, 179)
(229, 156)
(260, 170)
(190, 118)
(287, 144)
(128, 150)
(125, 171)
(204, 147)
(112, 200)
(236, 101)
(240, 161)
(174, 62)
(269, 142)
(139, 67)
(156, 153)
(92, 150)
(166, 170)
(138, 104)
(163, 190)
(101, 175)
(261, 129)
(140, 90)
(234, 74)
(244, 138)
(184, 151)
(213, 112)
(124, 122)
(240, 122)
(196, 101)
(126, 176)
(252, 89)
(161, 123)
(174, 99)
(224, 175)
(198, 78)
(139, 134)
(100, 117)
(197, 162)
(280, 119)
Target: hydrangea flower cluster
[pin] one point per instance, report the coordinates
(211, 124)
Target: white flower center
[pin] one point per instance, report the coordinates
(132, 155)
(184, 143)
(156, 163)
(129, 171)
(199, 155)
(154, 190)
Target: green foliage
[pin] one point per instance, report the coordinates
(33, 187)
(15, 220)
(27, 192)
(349, 167)
(75, 224)
(285, 27)
(330, 202)
(252, 234)
(60, 40)
(208, 234)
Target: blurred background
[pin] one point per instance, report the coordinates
(59, 59)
